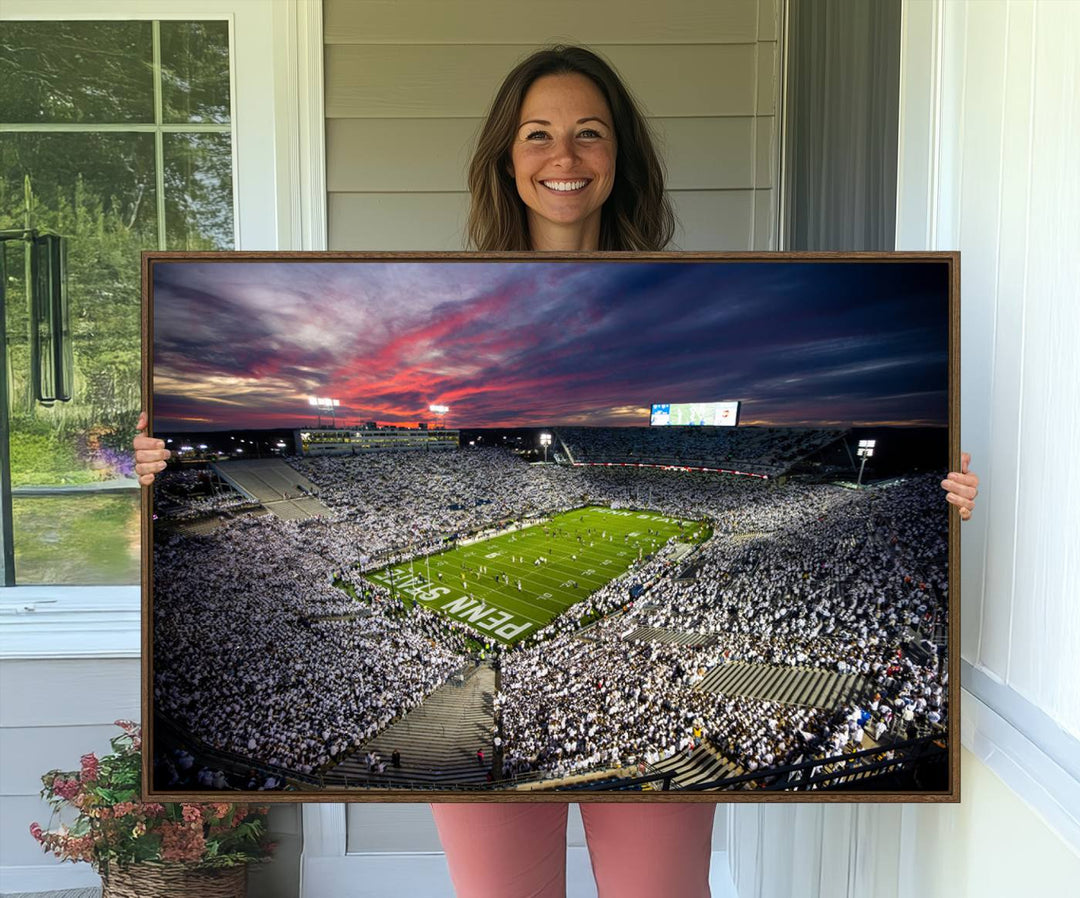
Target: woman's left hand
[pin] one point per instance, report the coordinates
(962, 487)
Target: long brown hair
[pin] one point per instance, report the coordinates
(637, 214)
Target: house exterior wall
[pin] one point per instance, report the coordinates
(408, 84)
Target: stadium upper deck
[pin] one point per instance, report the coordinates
(352, 441)
(768, 451)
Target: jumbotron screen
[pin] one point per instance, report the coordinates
(698, 414)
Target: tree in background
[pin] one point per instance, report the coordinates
(99, 189)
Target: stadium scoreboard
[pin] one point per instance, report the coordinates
(695, 414)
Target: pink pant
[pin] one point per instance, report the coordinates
(519, 850)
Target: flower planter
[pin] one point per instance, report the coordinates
(148, 880)
(149, 849)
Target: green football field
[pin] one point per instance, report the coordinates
(513, 584)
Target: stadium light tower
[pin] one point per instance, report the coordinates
(545, 441)
(325, 402)
(440, 412)
(865, 451)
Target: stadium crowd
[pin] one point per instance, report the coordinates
(260, 649)
(817, 578)
(258, 653)
(765, 450)
(190, 494)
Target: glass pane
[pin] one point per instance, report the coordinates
(78, 540)
(195, 71)
(76, 72)
(97, 190)
(80, 184)
(198, 192)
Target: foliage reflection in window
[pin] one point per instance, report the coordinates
(117, 136)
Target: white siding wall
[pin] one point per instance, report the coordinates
(992, 845)
(1008, 197)
(408, 83)
(989, 143)
(995, 175)
(53, 711)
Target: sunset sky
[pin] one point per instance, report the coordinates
(244, 344)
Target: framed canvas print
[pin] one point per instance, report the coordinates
(612, 527)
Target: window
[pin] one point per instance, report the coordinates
(118, 136)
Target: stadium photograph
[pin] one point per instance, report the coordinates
(451, 527)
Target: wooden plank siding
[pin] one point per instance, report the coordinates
(69, 692)
(408, 83)
(54, 710)
(30, 751)
(403, 155)
(460, 80)
(525, 22)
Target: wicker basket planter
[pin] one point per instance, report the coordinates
(148, 880)
(208, 845)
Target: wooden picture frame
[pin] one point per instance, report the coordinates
(767, 582)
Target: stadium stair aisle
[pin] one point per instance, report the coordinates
(671, 637)
(704, 765)
(789, 685)
(438, 740)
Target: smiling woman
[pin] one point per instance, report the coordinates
(563, 160)
(561, 117)
(603, 187)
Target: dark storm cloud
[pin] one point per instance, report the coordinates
(541, 343)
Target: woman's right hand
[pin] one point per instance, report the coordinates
(150, 454)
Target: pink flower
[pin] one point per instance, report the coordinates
(181, 842)
(153, 809)
(123, 808)
(66, 789)
(36, 832)
(192, 814)
(89, 767)
(76, 848)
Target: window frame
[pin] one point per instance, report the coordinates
(276, 94)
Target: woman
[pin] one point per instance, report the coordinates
(565, 163)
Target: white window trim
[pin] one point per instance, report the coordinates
(38, 622)
(278, 142)
(300, 121)
(1031, 754)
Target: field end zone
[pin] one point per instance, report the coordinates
(508, 586)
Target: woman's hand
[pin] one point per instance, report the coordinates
(962, 487)
(150, 454)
